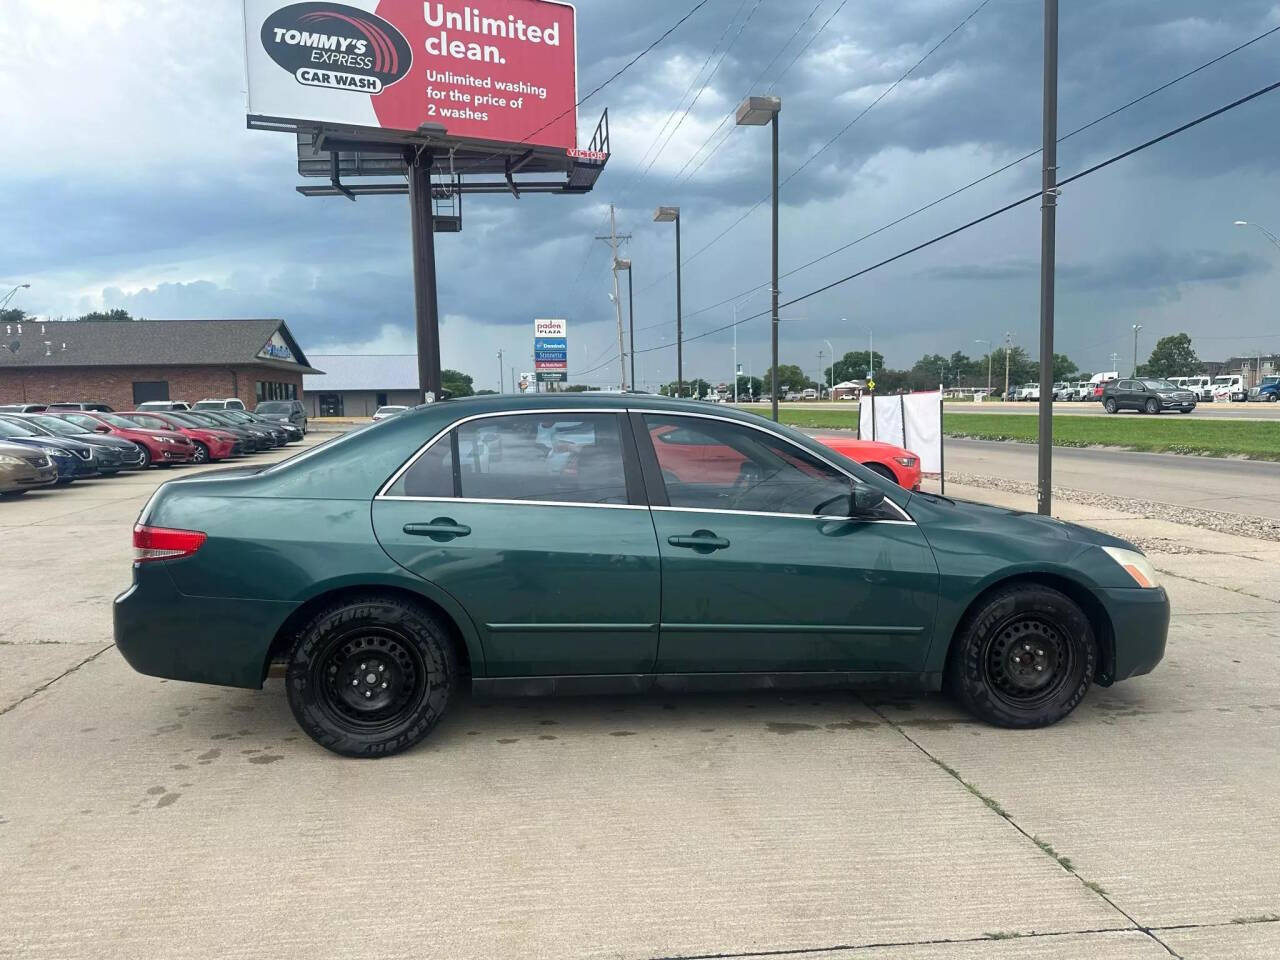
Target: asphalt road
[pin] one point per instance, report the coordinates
(140, 817)
(1234, 486)
(1218, 411)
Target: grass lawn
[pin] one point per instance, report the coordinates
(1168, 433)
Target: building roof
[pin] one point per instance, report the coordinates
(107, 343)
(368, 371)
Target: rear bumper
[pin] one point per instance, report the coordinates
(1140, 624)
(164, 633)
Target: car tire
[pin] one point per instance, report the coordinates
(201, 454)
(395, 642)
(1152, 406)
(1059, 650)
(146, 457)
(1109, 405)
(1187, 409)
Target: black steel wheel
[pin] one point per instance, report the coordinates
(1153, 405)
(1024, 657)
(1109, 405)
(201, 454)
(370, 676)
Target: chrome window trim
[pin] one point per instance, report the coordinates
(382, 491)
(906, 517)
(785, 516)
(657, 411)
(519, 503)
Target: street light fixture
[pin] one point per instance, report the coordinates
(9, 296)
(1265, 232)
(672, 215)
(756, 112)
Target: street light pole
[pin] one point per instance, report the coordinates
(756, 112)
(1136, 328)
(672, 215)
(9, 296)
(1008, 340)
(832, 388)
(501, 383)
(990, 350)
(1048, 255)
(625, 264)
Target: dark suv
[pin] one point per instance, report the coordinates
(283, 411)
(1146, 395)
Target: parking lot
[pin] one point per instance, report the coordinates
(144, 817)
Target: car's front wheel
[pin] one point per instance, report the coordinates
(371, 676)
(201, 454)
(1152, 405)
(1023, 658)
(1109, 405)
(146, 456)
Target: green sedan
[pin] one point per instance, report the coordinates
(592, 544)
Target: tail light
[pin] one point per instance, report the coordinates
(162, 543)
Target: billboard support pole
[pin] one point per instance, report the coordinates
(426, 305)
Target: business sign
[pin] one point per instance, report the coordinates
(526, 381)
(550, 343)
(503, 70)
(550, 350)
(277, 349)
(549, 328)
(552, 376)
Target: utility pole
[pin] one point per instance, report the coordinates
(502, 386)
(1137, 327)
(1048, 255)
(1115, 361)
(613, 239)
(820, 377)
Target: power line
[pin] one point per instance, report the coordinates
(845, 129)
(985, 177)
(729, 116)
(617, 73)
(808, 43)
(701, 89)
(994, 213)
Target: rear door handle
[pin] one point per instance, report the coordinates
(704, 541)
(439, 529)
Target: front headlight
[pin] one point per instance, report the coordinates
(55, 451)
(906, 461)
(9, 461)
(1135, 565)
(166, 439)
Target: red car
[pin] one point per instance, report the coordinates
(161, 447)
(890, 461)
(211, 443)
(684, 454)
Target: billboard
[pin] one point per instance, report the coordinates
(503, 70)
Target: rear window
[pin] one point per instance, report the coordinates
(274, 406)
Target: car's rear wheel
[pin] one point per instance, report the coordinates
(370, 677)
(1152, 405)
(201, 454)
(1023, 658)
(146, 456)
(1109, 405)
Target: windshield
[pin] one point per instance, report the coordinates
(10, 429)
(1269, 380)
(1222, 381)
(1158, 385)
(274, 406)
(188, 419)
(59, 426)
(115, 421)
(209, 405)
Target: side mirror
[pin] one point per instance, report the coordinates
(863, 499)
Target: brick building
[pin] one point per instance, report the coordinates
(126, 363)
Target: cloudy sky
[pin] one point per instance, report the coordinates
(131, 181)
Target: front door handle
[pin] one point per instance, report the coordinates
(704, 541)
(440, 529)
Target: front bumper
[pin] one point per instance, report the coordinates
(1140, 628)
(164, 633)
(74, 468)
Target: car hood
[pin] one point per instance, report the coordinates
(1004, 519)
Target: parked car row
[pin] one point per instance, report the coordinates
(62, 445)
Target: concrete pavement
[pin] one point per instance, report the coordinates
(139, 817)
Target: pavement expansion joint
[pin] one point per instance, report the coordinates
(45, 686)
(1044, 847)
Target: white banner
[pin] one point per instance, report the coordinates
(911, 420)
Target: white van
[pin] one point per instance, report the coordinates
(1201, 386)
